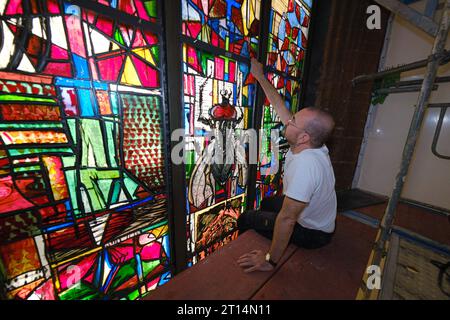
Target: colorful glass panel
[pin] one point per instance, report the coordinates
(288, 32)
(219, 94)
(83, 206)
(227, 24)
(270, 169)
(288, 36)
(142, 9)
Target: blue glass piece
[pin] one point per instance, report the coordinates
(88, 104)
(81, 67)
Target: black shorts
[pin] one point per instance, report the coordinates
(263, 222)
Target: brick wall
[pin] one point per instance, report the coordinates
(343, 48)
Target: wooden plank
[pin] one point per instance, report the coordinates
(388, 280)
(219, 277)
(332, 272)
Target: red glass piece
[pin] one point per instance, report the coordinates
(194, 29)
(141, 11)
(139, 40)
(52, 6)
(149, 77)
(109, 68)
(105, 25)
(58, 69)
(14, 7)
(59, 53)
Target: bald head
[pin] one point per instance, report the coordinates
(318, 124)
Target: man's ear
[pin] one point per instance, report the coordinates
(308, 137)
(304, 138)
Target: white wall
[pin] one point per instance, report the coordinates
(428, 180)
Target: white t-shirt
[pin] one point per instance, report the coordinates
(309, 178)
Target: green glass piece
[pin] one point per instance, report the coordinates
(20, 152)
(118, 37)
(16, 97)
(90, 179)
(68, 161)
(105, 187)
(93, 147)
(79, 291)
(133, 295)
(155, 53)
(30, 126)
(25, 169)
(148, 267)
(72, 128)
(190, 163)
(111, 148)
(131, 186)
(151, 8)
(115, 193)
(125, 272)
(71, 178)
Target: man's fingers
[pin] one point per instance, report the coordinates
(248, 255)
(254, 268)
(246, 264)
(245, 256)
(244, 260)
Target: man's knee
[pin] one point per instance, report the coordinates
(246, 220)
(272, 204)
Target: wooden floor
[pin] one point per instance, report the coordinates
(333, 272)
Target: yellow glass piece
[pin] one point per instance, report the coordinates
(215, 92)
(206, 33)
(21, 137)
(56, 175)
(160, 231)
(130, 75)
(114, 46)
(280, 6)
(146, 54)
(250, 12)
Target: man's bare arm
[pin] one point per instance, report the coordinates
(274, 97)
(284, 226)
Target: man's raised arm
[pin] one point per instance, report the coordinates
(274, 97)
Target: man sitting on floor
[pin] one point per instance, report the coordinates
(306, 214)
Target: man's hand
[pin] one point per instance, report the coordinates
(276, 100)
(254, 261)
(256, 69)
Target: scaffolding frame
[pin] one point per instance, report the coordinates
(437, 57)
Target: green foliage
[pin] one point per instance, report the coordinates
(386, 82)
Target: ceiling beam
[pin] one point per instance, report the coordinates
(414, 17)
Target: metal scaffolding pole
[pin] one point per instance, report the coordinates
(414, 130)
(444, 58)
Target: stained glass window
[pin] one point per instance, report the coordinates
(219, 94)
(231, 25)
(83, 200)
(288, 34)
(146, 10)
(82, 186)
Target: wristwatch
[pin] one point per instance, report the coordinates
(269, 260)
